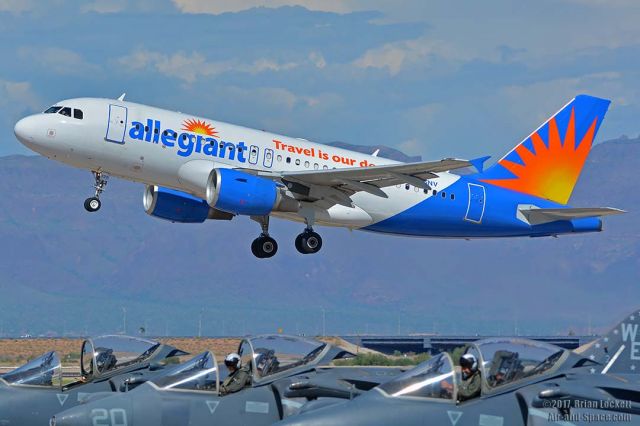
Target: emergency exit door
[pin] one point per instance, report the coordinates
(477, 201)
(117, 123)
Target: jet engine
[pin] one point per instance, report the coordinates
(242, 193)
(176, 206)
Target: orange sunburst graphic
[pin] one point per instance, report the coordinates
(551, 171)
(200, 127)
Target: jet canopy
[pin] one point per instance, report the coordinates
(433, 378)
(269, 355)
(105, 354)
(505, 361)
(43, 371)
(199, 373)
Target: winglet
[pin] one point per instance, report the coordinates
(121, 98)
(478, 163)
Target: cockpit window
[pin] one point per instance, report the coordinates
(507, 361)
(109, 353)
(43, 371)
(53, 109)
(273, 354)
(431, 379)
(65, 111)
(199, 373)
(77, 113)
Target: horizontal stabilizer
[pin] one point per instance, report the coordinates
(539, 216)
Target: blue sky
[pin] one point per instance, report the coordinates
(432, 78)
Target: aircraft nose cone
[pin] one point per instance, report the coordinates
(24, 130)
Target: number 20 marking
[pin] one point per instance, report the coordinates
(113, 417)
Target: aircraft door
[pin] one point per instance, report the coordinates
(268, 157)
(477, 202)
(254, 152)
(117, 123)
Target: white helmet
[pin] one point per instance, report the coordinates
(469, 361)
(232, 360)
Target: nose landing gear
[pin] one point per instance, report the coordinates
(93, 204)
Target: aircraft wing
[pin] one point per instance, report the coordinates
(540, 216)
(371, 179)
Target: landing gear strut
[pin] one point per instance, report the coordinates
(93, 204)
(264, 246)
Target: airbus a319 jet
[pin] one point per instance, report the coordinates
(196, 169)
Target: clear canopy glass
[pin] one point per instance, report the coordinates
(107, 353)
(509, 360)
(199, 373)
(43, 371)
(432, 379)
(272, 354)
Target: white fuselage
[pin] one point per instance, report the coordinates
(170, 149)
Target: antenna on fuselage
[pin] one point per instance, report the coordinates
(375, 153)
(121, 98)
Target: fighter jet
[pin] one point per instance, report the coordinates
(287, 374)
(523, 382)
(33, 393)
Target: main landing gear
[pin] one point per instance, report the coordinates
(93, 204)
(308, 242)
(265, 246)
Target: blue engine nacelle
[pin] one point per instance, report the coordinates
(242, 193)
(177, 206)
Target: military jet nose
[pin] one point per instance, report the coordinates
(72, 417)
(25, 129)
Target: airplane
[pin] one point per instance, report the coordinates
(191, 395)
(196, 169)
(31, 394)
(523, 383)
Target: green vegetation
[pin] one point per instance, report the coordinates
(370, 359)
(457, 353)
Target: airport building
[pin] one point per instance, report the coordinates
(434, 343)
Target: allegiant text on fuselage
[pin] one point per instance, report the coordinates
(187, 143)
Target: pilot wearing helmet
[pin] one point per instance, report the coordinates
(238, 377)
(471, 381)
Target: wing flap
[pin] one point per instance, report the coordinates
(540, 216)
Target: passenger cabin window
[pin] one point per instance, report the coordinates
(66, 111)
(288, 160)
(53, 109)
(77, 113)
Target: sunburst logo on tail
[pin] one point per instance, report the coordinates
(550, 170)
(200, 127)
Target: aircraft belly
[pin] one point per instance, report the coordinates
(440, 215)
